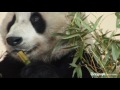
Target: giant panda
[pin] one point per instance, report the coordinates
(32, 33)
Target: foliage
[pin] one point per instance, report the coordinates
(103, 53)
(118, 19)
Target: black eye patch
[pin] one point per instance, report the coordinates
(38, 22)
(11, 23)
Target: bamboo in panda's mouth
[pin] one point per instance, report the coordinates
(23, 57)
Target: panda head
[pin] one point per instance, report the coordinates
(32, 33)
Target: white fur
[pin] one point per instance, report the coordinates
(56, 22)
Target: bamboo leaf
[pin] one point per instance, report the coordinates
(86, 26)
(115, 52)
(117, 34)
(114, 68)
(73, 28)
(76, 57)
(97, 22)
(74, 72)
(59, 44)
(117, 15)
(73, 65)
(81, 50)
(79, 72)
(77, 22)
(71, 36)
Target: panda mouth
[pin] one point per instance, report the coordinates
(16, 50)
(26, 51)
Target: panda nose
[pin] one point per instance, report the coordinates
(13, 41)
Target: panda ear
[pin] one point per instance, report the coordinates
(11, 23)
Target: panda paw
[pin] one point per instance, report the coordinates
(39, 70)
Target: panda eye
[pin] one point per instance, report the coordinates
(35, 19)
(38, 22)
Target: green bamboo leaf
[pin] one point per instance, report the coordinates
(73, 65)
(79, 72)
(97, 51)
(73, 28)
(71, 36)
(59, 44)
(118, 19)
(118, 44)
(118, 23)
(117, 34)
(77, 22)
(117, 14)
(96, 54)
(81, 50)
(115, 52)
(86, 25)
(74, 72)
(75, 59)
(112, 34)
(97, 22)
(85, 17)
(85, 33)
(107, 58)
(114, 68)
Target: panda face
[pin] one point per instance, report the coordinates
(31, 32)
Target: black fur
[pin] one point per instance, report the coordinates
(11, 23)
(38, 22)
(11, 68)
(39, 70)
